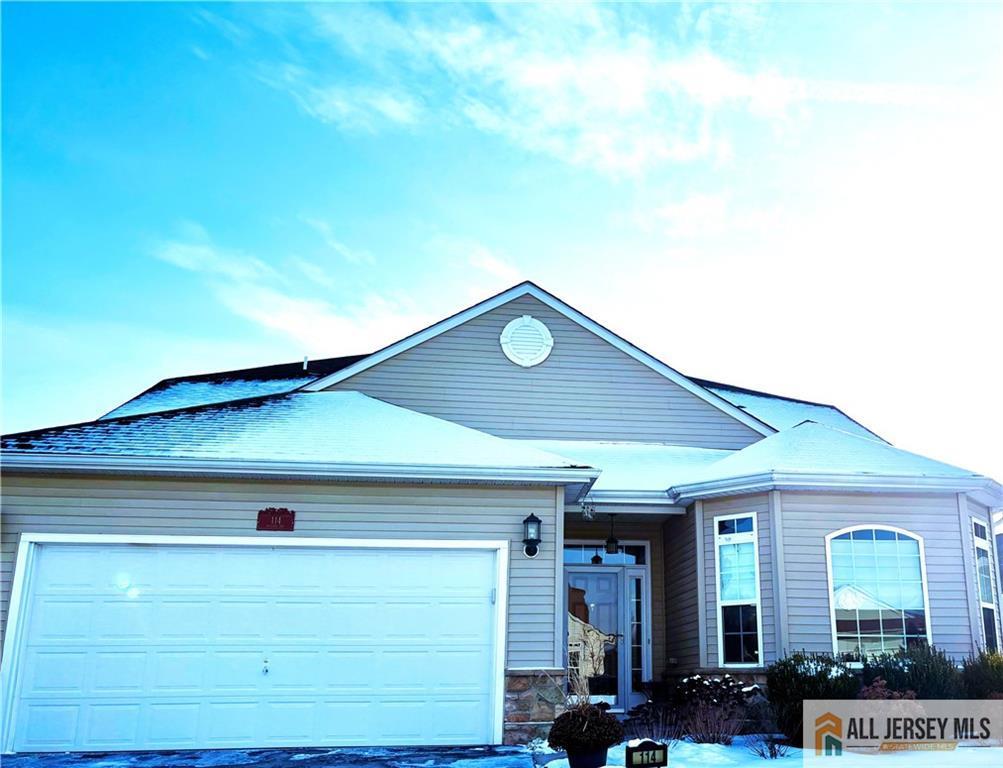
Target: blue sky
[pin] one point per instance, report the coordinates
(799, 198)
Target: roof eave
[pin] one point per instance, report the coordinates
(982, 489)
(196, 467)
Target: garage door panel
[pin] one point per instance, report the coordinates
(173, 724)
(180, 671)
(118, 672)
(48, 673)
(56, 620)
(164, 647)
(112, 724)
(184, 619)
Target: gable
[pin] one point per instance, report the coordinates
(586, 389)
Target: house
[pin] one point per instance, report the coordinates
(430, 513)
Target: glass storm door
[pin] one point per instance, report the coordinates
(598, 623)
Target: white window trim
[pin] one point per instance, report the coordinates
(986, 545)
(922, 570)
(28, 545)
(735, 538)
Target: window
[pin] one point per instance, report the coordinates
(984, 583)
(583, 554)
(878, 591)
(736, 560)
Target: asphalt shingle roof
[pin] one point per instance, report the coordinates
(785, 412)
(225, 386)
(325, 427)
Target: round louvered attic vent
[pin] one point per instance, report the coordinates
(526, 341)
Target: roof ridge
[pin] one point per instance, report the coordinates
(736, 388)
(262, 369)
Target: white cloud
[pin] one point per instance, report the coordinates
(201, 255)
(324, 229)
(250, 288)
(600, 86)
(319, 326)
(313, 272)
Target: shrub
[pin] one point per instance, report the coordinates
(879, 691)
(765, 741)
(928, 672)
(712, 710)
(585, 728)
(658, 721)
(802, 676)
(983, 676)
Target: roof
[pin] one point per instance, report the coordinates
(338, 427)
(226, 386)
(630, 467)
(782, 412)
(811, 448)
(531, 289)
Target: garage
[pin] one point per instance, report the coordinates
(151, 644)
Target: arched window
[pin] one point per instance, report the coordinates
(877, 591)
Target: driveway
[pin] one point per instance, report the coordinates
(396, 757)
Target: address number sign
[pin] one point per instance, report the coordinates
(647, 754)
(276, 519)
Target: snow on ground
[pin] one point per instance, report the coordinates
(738, 755)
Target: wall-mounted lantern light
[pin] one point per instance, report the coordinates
(612, 544)
(531, 535)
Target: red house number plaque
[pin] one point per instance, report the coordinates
(276, 519)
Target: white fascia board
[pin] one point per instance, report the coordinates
(528, 289)
(978, 487)
(316, 470)
(657, 498)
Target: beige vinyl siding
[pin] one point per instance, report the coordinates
(587, 389)
(682, 610)
(229, 508)
(759, 504)
(636, 530)
(808, 517)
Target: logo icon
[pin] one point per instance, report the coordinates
(828, 735)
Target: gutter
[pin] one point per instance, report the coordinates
(983, 489)
(186, 467)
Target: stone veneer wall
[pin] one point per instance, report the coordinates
(533, 698)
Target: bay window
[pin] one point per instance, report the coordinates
(736, 560)
(877, 591)
(984, 583)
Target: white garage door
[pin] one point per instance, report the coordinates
(166, 647)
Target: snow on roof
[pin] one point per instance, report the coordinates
(785, 412)
(634, 466)
(227, 386)
(187, 394)
(816, 448)
(325, 427)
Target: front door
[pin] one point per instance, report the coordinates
(606, 631)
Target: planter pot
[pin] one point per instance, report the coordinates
(595, 758)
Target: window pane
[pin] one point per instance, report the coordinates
(725, 527)
(732, 649)
(985, 575)
(877, 590)
(980, 531)
(989, 626)
(750, 649)
(741, 634)
(743, 525)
